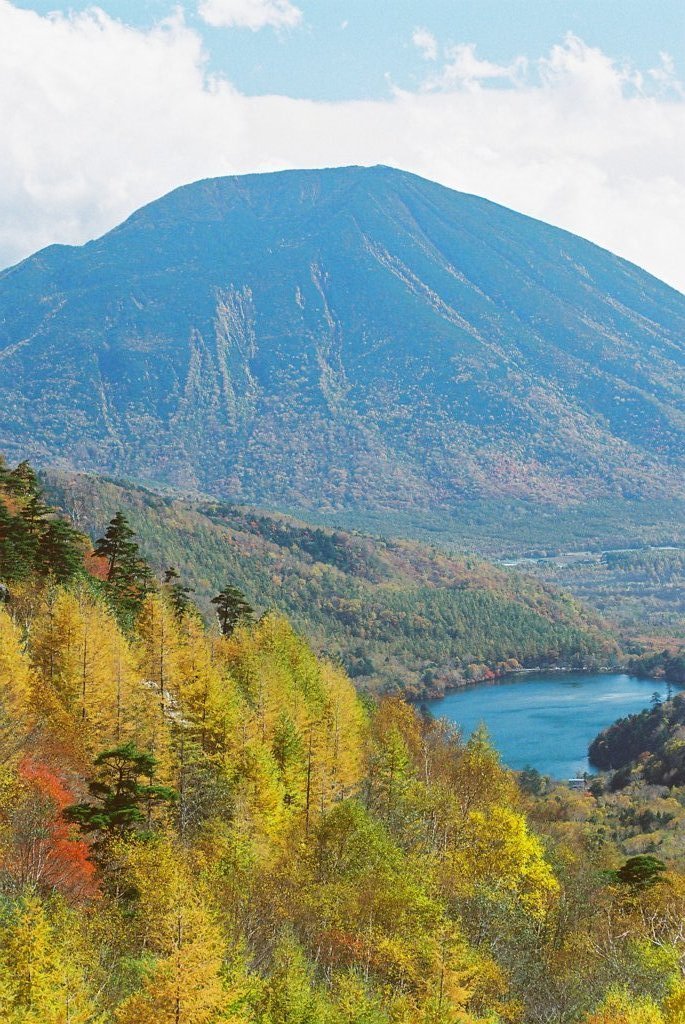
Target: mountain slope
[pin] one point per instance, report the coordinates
(398, 613)
(356, 338)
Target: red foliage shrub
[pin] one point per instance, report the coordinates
(51, 852)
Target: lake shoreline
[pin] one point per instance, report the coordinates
(546, 719)
(495, 678)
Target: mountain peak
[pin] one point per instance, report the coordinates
(352, 338)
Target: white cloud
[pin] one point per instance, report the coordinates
(253, 14)
(666, 78)
(426, 43)
(98, 118)
(464, 68)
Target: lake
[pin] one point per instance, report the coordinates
(547, 720)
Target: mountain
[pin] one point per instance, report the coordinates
(397, 613)
(346, 339)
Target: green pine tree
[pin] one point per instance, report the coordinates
(23, 480)
(231, 609)
(59, 552)
(128, 574)
(178, 592)
(17, 546)
(121, 799)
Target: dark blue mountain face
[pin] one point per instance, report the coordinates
(356, 338)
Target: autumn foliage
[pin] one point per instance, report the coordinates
(210, 826)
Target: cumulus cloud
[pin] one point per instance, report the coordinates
(426, 43)
(253, 14)
(99, 118)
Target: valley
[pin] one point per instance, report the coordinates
(325, 405)
(342, 512)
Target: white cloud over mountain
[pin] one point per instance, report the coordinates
(99, 118)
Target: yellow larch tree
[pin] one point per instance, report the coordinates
(42, 982)
(16, 684)
(160, 643)
(184, 984)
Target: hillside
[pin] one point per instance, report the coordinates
(397, 613)
(212, 827)
(355, 339)
(649, 745)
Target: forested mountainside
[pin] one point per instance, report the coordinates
(642, 590)
(397, 613)
(209, 826)
(354, 338)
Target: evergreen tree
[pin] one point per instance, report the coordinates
(231, 609)
(23, 481)
(641, 871)
(59, 552)
(33, 514)
(128, 574)
(118, 547)
(178, 592)
(17, 546)
(121, 799)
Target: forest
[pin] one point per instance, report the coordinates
(202, 822)
(399, 615)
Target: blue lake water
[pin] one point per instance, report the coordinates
(547, 720)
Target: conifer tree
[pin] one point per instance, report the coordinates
(33, 513)
(23, 481)
(59, 552)
(16, 687)
(121, 800)
(209, 696)
(117, 546)
(231, 609)
(184, 985)
(291, 994)
(17, 546)
(158, 629)
(127, 573)
(178, 592)
(74, 646)
(43, 984)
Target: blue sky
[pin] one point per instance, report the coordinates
(572, 111)
(358, 49)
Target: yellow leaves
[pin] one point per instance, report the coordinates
(15, 670)
(184, 985)
(208, 696)
(259, 794)
(301, 726)
(673, 1007)
(86, 672)
(621, 1007)
(480, 779)
(159, 648)
(42, 970)
(499, 855)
